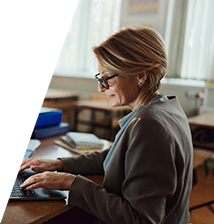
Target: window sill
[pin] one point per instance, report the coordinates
(182, 82)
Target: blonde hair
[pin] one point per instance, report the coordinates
(132, 51)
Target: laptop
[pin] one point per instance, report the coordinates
(33, 195)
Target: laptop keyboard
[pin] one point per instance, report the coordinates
(10, 184)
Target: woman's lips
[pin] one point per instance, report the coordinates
(110, 96)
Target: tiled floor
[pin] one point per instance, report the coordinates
(201, 193)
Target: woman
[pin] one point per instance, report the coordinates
(149, 166)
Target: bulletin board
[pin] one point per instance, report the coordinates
(151, 13)
(142, 6)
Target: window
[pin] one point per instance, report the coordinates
(190, 40)
(56, 36)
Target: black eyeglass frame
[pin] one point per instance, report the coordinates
(103, 81)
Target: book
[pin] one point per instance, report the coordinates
(44, 132)
(73, 150)
(65, 146)
(68, 142)
(80, 140)
(30, 117)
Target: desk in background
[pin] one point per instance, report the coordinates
(109, 123)
(200, 156)
(199, 123)
(202, 128)
(202, 152)
(203, 120)
(25, 212)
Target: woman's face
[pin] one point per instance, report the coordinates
(122, 91)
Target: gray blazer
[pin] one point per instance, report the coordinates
(149, 177)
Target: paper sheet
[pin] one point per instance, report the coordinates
(18, 143)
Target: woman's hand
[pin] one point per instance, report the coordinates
(50, 180)
(41, 165)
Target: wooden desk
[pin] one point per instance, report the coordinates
(111, 115)
(37, 212)
(202, 128)
(203, 120)
(200, 156)
(25, 212)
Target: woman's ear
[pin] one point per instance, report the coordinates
(142, 78)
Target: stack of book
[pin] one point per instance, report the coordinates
(34, 122)
(79, 142)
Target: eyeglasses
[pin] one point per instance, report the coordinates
(103, 81)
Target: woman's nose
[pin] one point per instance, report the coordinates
(100, 87)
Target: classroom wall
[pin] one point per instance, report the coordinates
(84, 86)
